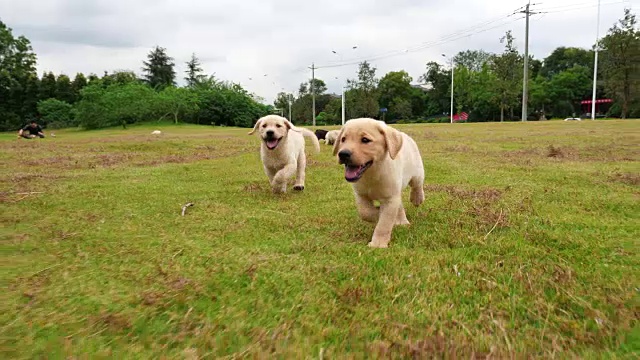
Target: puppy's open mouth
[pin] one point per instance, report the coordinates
(354, 173)
(271, 143)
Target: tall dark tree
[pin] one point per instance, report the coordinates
(64, 89)
(621, 61)
(439, 80)
(17, 78)
(79, 82)
(159, 69)
(48, 86)
(194, 72)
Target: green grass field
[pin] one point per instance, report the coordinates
(526, 246)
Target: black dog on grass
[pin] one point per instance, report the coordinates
(321, 134)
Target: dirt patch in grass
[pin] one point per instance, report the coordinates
(458, 148)
(626, 178)
(115, 322)
(433, 347)
(600, 153)
(487, 194)
(479, 204)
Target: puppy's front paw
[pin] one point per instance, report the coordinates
(377, 245)
(403, 222)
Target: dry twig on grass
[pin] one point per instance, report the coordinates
(494, 226)
(184, 208)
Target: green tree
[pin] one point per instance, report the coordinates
(282, 102)
(48, 86)
(56, 113)
(568, 88)
(539, 94)
(564, 58)
(159, 69)
(438, 96)
(363, 93)
(333, 111)
(17, 78)
(177, 102)
(118, 104)
(64, 89)
(473, 60)
(194, 71)
(394, 86)
(318, 86)
(508, 70)
(78, 83)
(621, 61)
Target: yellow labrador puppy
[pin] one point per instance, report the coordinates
(282, 151)
(331, 137)
(380, 161)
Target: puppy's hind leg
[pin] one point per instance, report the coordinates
(300, 173)
(417, 190)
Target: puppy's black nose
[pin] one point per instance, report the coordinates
(270, 133)
(344, 155)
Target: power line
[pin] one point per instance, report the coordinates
(575, 8)
(444, 40)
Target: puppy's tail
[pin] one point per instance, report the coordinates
(314, 138)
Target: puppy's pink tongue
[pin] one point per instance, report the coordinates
(351, 172)
(272, 143)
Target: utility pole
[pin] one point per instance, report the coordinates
(290, 96)
(452, 70)
(595, 67)
(525, 79)
(343, 110)
(313, 92)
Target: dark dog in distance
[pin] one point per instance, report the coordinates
(321, 134)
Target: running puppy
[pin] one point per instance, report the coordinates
(332, 136)
(380, 162)
(282, 151)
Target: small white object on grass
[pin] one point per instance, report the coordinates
(184, 208)
(53, 135)
(156, 132)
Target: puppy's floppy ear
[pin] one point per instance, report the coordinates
(255, 126)
(290, 126)
(393, 138)
(336, 144)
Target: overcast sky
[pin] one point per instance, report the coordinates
(242, 39)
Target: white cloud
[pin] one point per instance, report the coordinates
(238, 40)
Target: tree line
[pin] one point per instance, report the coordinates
(488, 86)
(119, 98)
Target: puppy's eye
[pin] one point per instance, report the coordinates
(365, 140)
(264, 126)
(343, 139)
(278, 125)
